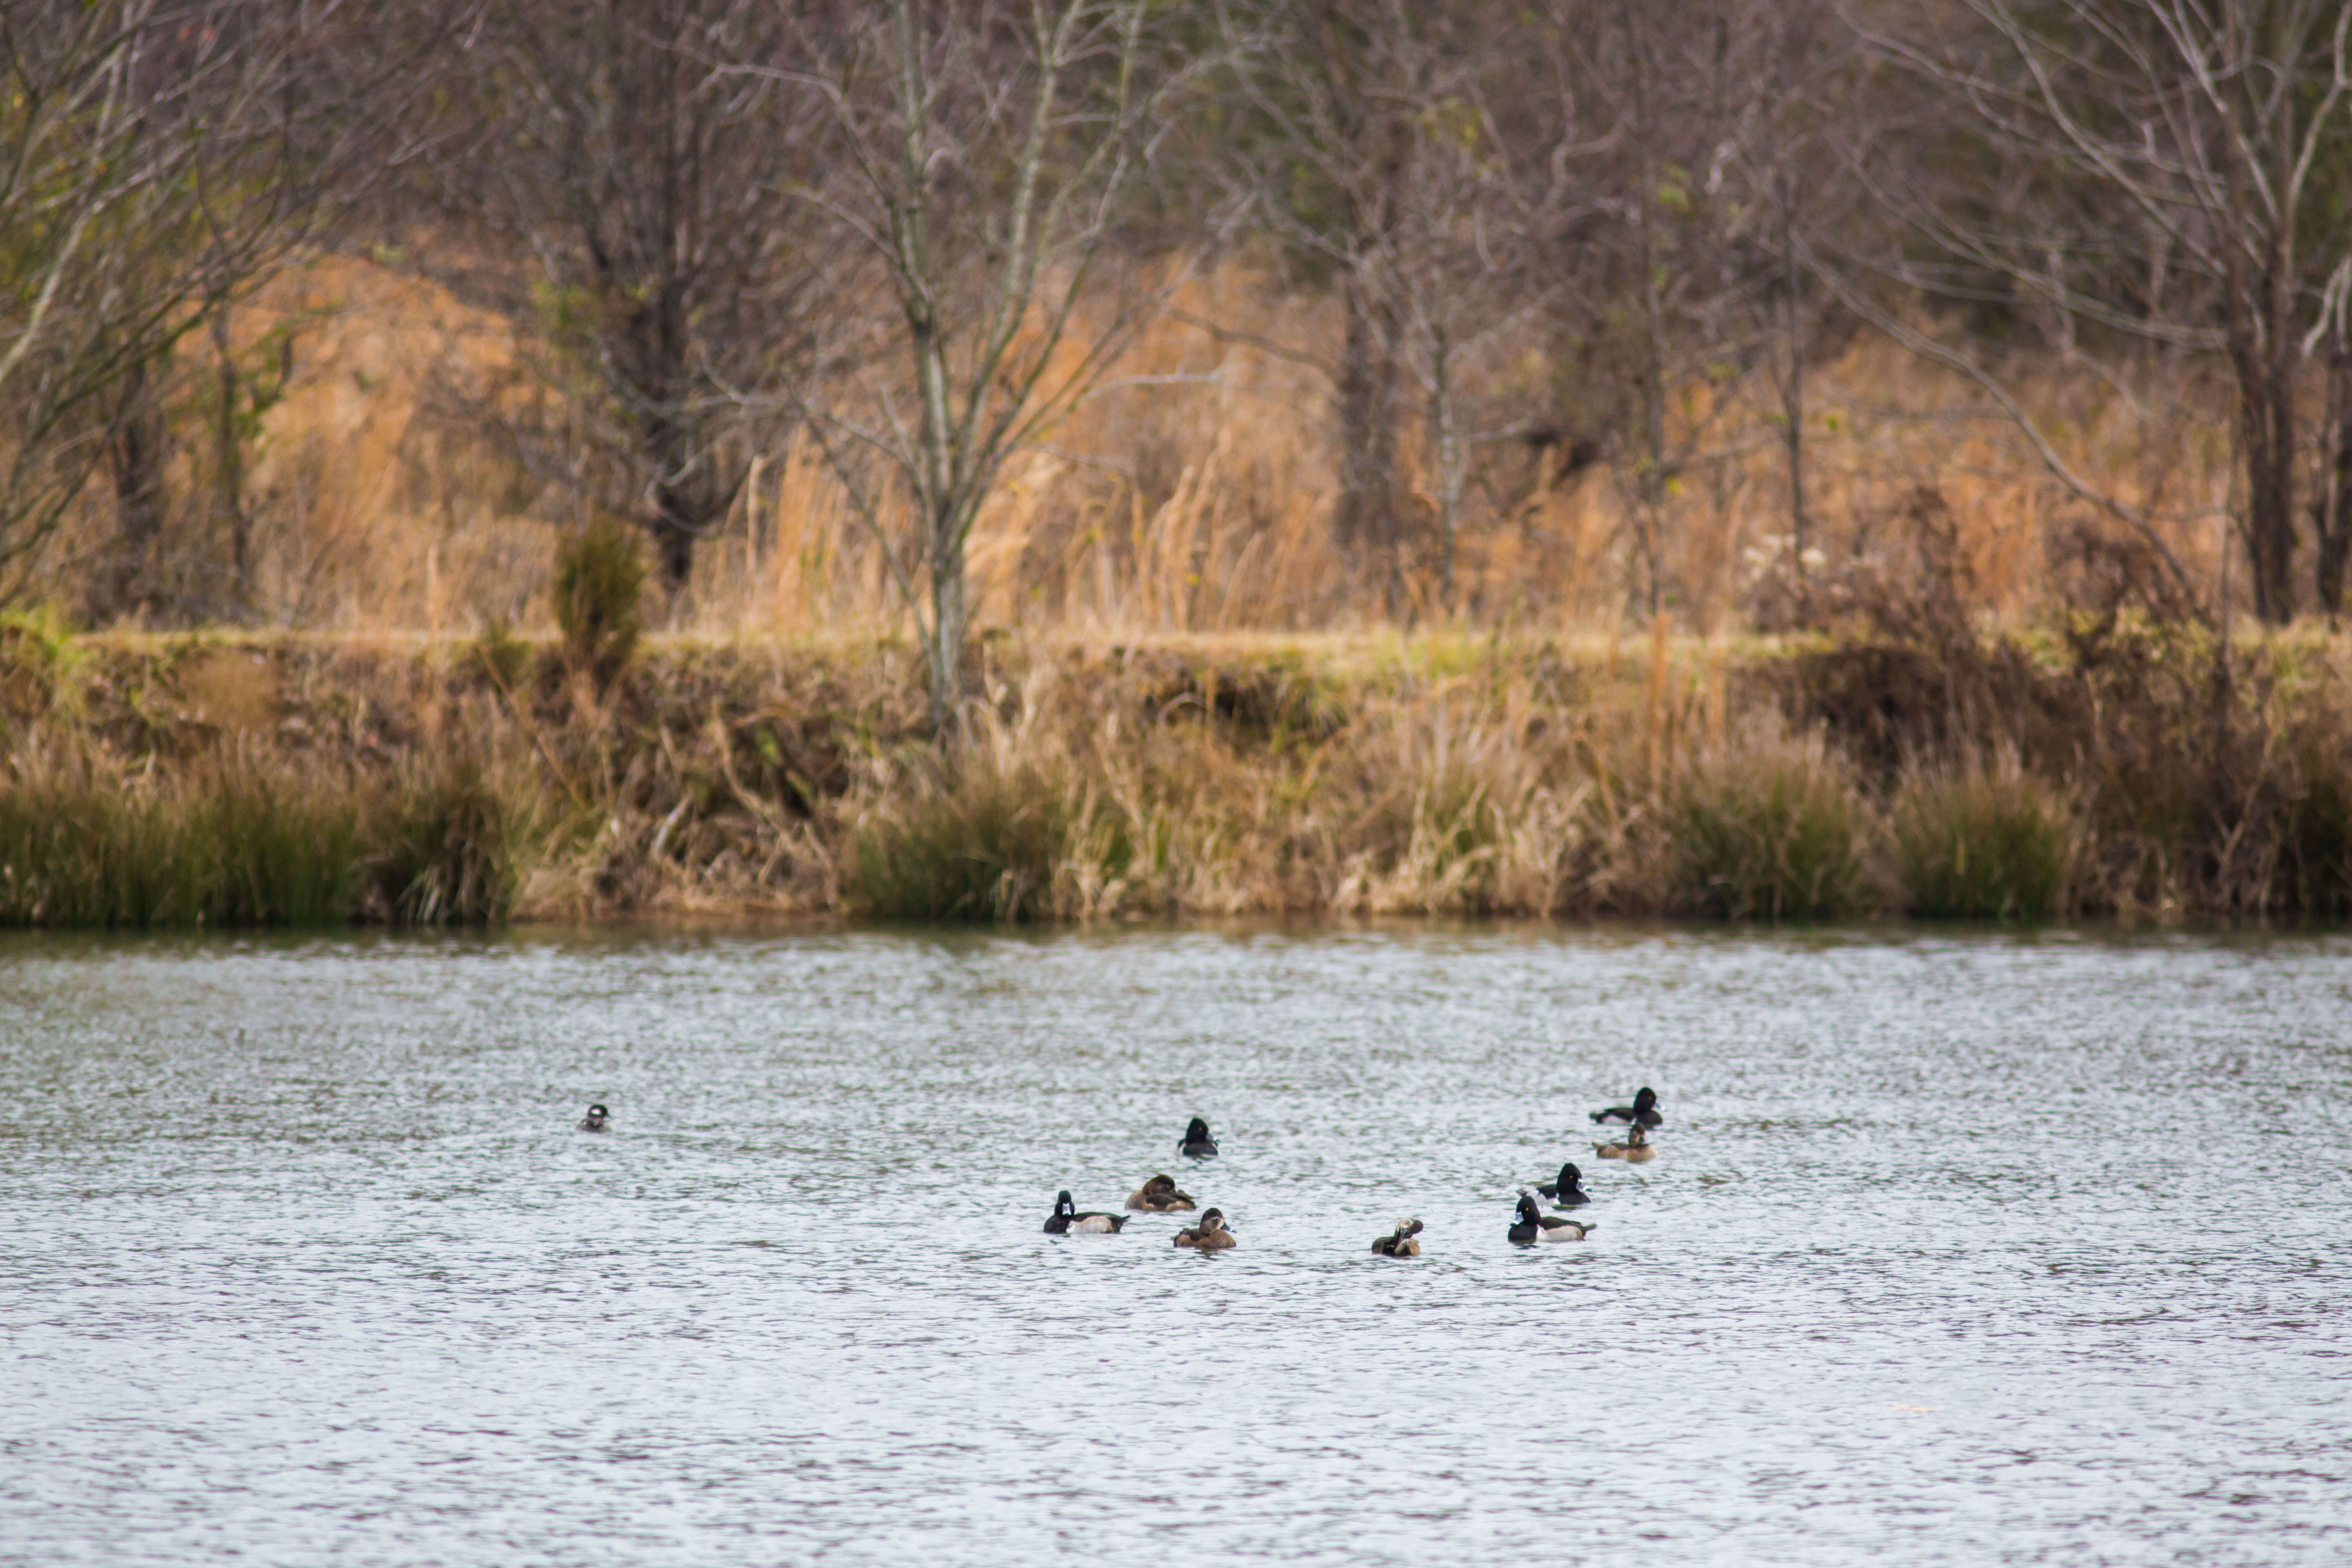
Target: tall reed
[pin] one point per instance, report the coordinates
(243, 840)
(1771, 829)
(1981, 842)
(231, 844)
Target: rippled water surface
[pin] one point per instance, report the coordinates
(1960, 1249)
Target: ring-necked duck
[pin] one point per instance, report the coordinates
(1643, 1111)
(1568, 1191)
(1400, 1245)
(1535, 1225)
(1210, 1234)
(1067, 1221)
(1159, 1196)
(596, 1120)
(1196, 1141)
(1635, 1150)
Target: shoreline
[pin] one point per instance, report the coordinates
(2126, 771)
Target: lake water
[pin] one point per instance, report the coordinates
(1960, 1248)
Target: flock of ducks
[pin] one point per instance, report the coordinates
(1209, 1233)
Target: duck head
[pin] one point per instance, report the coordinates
(1529, 1213)
(1407, 1227)
(1636, 1136)
(1644, 1099)
(1570, 1178)
(1197, 1131)
(1158, 1187)
(1063, 1203)
(1214, 1220)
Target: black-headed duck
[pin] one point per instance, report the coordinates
(1635, 1150)
(1209, 1235)
(1196, 1143)
(1159, 1196)
(1568, 1191)
(1400, 1245)
(1067, 1221)
(1535, 1226)
(598, 1119)
(1643, 1112)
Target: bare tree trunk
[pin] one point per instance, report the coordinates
(2266, 432)
(2332, 508)
(230, 455)
(136, 448)
(1364, 522)
(1651, 478)
(686, 497)
(1792, 385)
(950, 619)
(1445, 442)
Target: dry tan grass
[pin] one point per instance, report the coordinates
(1197, 503)
(1235, 774)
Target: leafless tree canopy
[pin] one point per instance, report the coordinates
(917, 237)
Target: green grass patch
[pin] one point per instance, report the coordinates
(239, 843)
(985, 849)
(1983, 843)
(1774, 833)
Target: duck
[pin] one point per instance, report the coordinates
(1643, 1112)
(1568, 1191)
(1159, 1196)
(1535, 1225)
(598, 1119)
(1635, 1150)
(1066, 1220)
(1401, 1244)
(1196, 1143)
(1210, 1234)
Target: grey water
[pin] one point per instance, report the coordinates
(1960, 1247)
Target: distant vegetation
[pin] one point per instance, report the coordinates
(2127, 771)
(1759, 458)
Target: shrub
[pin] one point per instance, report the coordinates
(1983, 843)
(234, 844)
(446, 849)
(600, 579)
(2318, 831)
(501, 655)
(40, 664)
(985, 847)
(1769, 831)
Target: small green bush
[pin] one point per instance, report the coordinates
(239, 842)
(1983, 843)
(40, 664)
(445, 849)
(599, 580)
(2318, 833)
(985, 849)
(286, 851)
(1773, 833)
(501, 655)
(233, 845)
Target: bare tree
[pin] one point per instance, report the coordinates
(2148, 173)
(158, 160)
(1678, 260)
(983, 152)
(1787, 104)
(1324, 92)
(619, 178)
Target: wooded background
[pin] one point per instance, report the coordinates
(1174, 314)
